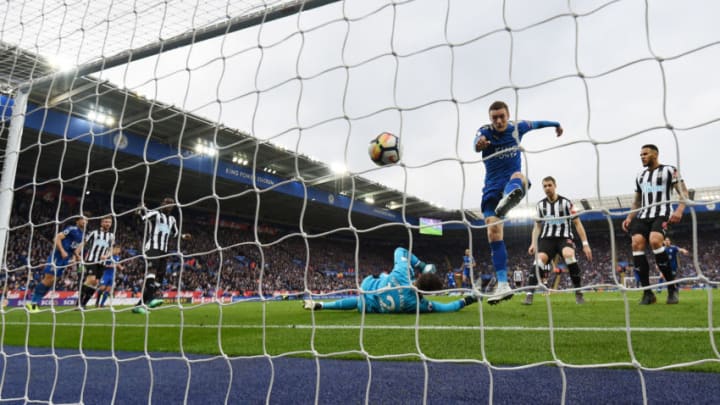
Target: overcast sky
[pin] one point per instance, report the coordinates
(344, 57)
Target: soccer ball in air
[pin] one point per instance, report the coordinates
(384, 149)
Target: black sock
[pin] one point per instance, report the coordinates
(85, 294)
(643, 268)
(575, 276)
(533, 277)
(149, 292)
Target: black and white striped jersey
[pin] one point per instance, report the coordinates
(551, 213)
(97, 245)
(159, 227)
(655, 187)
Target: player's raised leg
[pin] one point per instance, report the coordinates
(512, 194)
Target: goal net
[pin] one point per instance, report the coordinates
(240, 130)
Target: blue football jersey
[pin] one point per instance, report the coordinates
(500, 167)
(468, 262)
(110, 262)
(73, 239)
(451, 280)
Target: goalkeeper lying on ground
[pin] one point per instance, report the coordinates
(381, 294)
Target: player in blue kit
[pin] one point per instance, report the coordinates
(673, 260)
(672, 252)
(108, 278)
(393, 293)
(451, 280)
(67, 249)
(467, 269)
(505, 185)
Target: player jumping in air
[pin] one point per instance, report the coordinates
(505, 184)
(554, 235)
(67, 249)
(393, 293)
(653, 190)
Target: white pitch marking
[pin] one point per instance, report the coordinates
(382, 327)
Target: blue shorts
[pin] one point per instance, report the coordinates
(108, 277)
(492, 196)
(56, 265)
(490, 200)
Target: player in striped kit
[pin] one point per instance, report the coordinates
(97, 249)
(160, 227)
(505, 184)
(650, 215)
(553, 235)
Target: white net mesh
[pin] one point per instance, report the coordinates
(255, 118)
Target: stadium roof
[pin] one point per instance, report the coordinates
(83, 96)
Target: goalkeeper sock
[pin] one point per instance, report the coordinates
(643, 267)
(345, 303)
(499, 259)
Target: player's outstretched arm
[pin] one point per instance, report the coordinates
(545, 124)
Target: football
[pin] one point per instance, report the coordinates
(384, 149)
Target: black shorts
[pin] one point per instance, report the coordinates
(645, 226)
(554, 246)
(155, 264)
(95, 269)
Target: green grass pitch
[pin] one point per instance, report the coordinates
(596, 333)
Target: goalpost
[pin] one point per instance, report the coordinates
(232, 106)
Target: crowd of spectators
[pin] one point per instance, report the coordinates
(232, 260)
